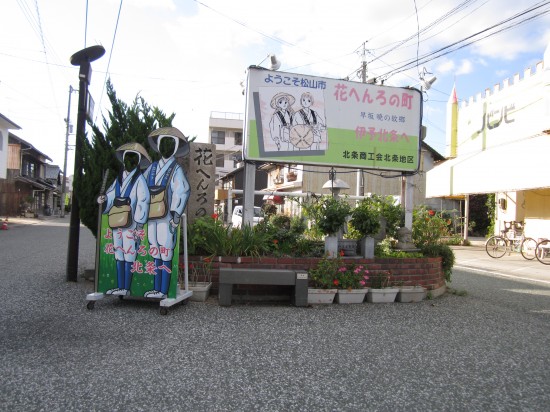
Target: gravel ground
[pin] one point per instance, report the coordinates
(488, 350)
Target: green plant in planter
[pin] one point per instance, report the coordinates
(380, 279)
(325, 274)
(197, 271)
(365, 218)
(352, 276)
(329, 214)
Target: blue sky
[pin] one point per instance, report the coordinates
(189, 57)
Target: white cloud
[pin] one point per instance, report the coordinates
(446, 66)
(466, 67)
(189, 58)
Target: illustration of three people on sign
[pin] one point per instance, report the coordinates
(303, 129)
(157, 197)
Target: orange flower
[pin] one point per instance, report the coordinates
(335, 281)
(214, 216)
(275, 241)
(341, 253)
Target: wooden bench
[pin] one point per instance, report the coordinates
(235, 276)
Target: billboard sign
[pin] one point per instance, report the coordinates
(301, 119)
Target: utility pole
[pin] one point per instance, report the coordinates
(82, 58)
(67, 120)
(360, 187)
(364, 63)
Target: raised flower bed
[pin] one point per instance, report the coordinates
(426, 272)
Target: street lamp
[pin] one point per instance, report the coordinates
(81, 58)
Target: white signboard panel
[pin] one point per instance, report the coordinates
(294, 118)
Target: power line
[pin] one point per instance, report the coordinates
(41, 35)
(110, 56)
(457, 45)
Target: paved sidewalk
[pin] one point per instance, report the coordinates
(514, 265)
(452, 353)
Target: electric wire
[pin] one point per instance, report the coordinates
(469, 40)
(109, 61)
(42, 41)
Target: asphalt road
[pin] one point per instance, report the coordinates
(486, 350)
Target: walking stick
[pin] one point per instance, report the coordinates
(98, 240)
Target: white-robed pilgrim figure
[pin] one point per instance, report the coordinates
(127, 204)
(170, 191)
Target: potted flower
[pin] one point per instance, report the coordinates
(351, 284)
(365, 219)
(200, 279)
(330, 215)
(323, 280)
(380, 290)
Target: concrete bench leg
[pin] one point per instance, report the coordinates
(225, 290)
(300, 292)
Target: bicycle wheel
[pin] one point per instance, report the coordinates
(542, 252)
(495, 246)
(528, 247)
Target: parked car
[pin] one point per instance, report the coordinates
(237, 217)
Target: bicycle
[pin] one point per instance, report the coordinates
(511, 239)
(542, 251)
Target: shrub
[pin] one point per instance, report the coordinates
(447, 255)
(329, 214)
(365, 218)
(282, 233)
(428, 227)
(393, 213)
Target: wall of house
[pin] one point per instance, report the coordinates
(537, 221)
(3, 153)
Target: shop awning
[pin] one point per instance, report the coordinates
(41, 185)
(520, 165)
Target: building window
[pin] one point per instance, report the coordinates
(238, 138)
(218, 137)
(28, 169)
(220, 159)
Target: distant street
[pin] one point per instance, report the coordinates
(487, 350)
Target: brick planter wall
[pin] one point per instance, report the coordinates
(426, 272)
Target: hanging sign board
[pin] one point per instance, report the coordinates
(300, 119)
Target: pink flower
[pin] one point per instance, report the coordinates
(342, 269)
(365, 277)
(363, 283)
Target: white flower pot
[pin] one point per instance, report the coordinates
(351, 295)
(320, 296)
(201, 291)
(410, 294)
(384, 295)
